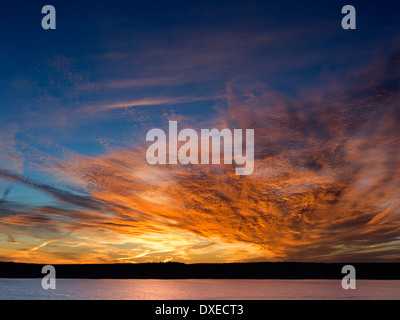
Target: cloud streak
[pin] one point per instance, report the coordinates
(147, 102)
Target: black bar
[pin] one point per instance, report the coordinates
(202, 309)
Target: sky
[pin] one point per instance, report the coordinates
(77, 102)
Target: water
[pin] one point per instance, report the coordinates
(133, 289)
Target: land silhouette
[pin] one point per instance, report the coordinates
(175, 270)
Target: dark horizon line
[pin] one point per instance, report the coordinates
(177, 270)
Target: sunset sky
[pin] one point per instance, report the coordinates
(76, 104)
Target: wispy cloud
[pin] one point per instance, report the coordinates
(147, 102)
(136, 83)
(42, 245)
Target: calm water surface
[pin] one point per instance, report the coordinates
(90, 289)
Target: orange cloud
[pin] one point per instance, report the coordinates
(325, 188)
